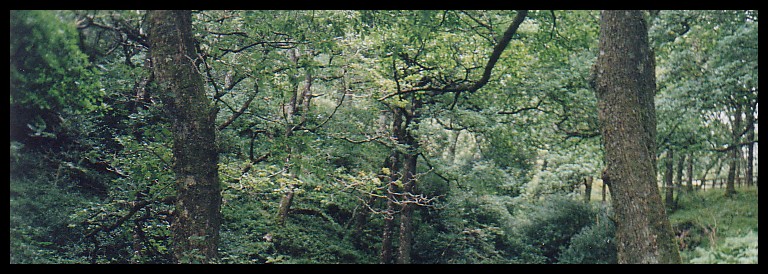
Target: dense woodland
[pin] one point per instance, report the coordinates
(383, 136)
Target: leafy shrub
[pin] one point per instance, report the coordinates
(592, 245)
(553, 223)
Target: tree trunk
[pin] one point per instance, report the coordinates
(689, 183)
(409, 181)
(625, 86)
(751, 147)
(197, 217)
(603, 194)
(587, 189)
(297, 105)
(394, 166)
(730, 188)
(668, 184)
(406, 211)
(678, 182)
(285, 205)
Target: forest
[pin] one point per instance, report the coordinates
(383, 137)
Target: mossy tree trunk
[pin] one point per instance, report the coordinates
(197, 217)
(625, 87)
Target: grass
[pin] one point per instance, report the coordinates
(708, 222)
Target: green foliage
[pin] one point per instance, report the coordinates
(552, 224)
(594, 244)
(315, 233)
(710, 228)
(40, 204)
(48, 70)
(734, 250)
(469, 228)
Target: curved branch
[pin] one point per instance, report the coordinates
(495, 55)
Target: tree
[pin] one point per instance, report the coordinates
(197, 217)
(50, 78)
(625, 86)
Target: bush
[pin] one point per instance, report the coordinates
(592, 245)
(553, 223)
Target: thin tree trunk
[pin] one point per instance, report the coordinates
(668, 184)
(678, 182)
(452, 147)
(285, 205)
(197, 217)
(751, 147)
(625, 87)
(689, 184)
(298, 105)
(603, 194)
(587, 188)
(730, 188)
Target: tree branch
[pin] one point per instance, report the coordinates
(241, 111)
(472, 87)
(536, 107)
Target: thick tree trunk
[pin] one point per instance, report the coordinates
(406, 211)
(385, 256)
(197, 217)
(393, 164)
(409, 182)
(625, 87)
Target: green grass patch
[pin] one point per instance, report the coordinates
(713, 228)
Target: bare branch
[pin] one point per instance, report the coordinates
(241, 111)
(536, 107)
(369, 139)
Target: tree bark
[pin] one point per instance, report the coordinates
(625, 86)
(197, 217)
